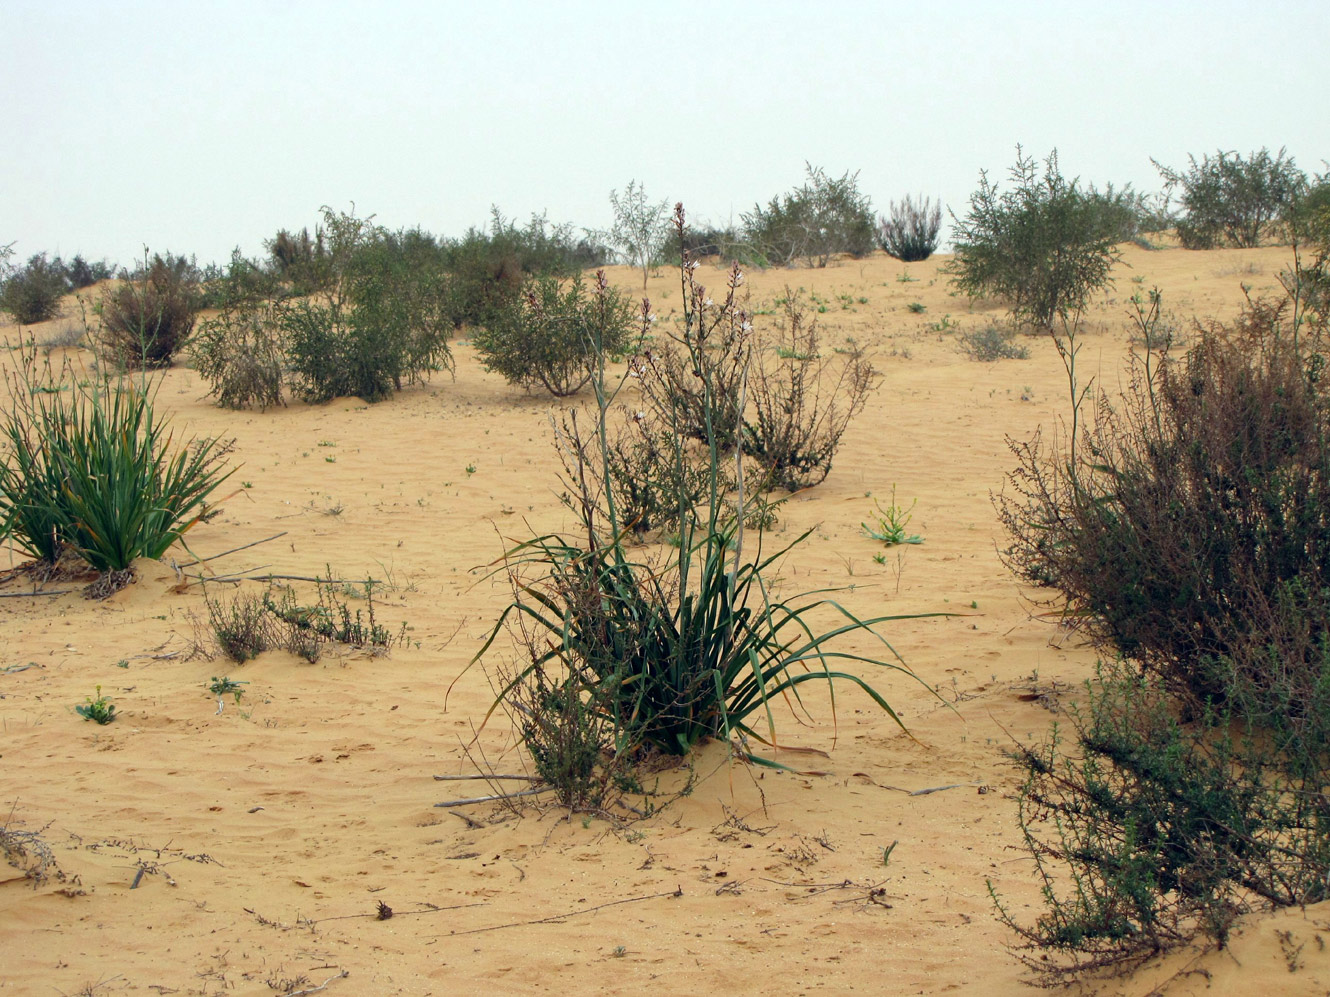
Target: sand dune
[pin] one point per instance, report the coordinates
(247, 851)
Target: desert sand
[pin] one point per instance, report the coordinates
(247, 850)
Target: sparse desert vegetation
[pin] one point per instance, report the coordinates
(762, 614)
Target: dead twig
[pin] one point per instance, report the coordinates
(233, 550)
(676, 892)
(496, 797)
(486, 776)
(31, 595)
(323, 986)
(378, 915)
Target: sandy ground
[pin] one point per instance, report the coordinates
(247, 851)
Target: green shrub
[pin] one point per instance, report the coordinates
(239, 353)
(549, 337)
(32, 293)
(487, 269)
(1231, 201)
(144, 322)
(1044, 246)
(911, 232)
(991, 343)
(80, 273)
(92, 467)
(814, 222)
(1147, 832)
(382, 323)
(241, 283)
(300, 261)
(640, 228)
(241, 627)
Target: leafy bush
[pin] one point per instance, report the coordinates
(91, 466)
(1191, 528)
(802, 401)
(1148, 832)
(32, 293)
(299, 260)
(551, 335)
(242, 282)
(991, 343)
(1045, 246)
(145, 322)
(382, 323)
(911, 232)
(1229, 200)
(640, 227)
(814, 222)
(241, 626)
(330, 620)
(80, 273)
(239, 353)
(667, 654)
(487, 269)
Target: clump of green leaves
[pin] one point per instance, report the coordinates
(623, 654)
(91, 467)
(890, 523)
(99, 710)
(226, 686)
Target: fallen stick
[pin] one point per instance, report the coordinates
(11, 669)
(460, 778)
(938, 789)
(29, 595)
(497, 796)
(677, 892)
(244, 576)
(323, 986)
(401, 913)
(233, 550)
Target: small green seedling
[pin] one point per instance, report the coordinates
(890, 522)
(99, 709)
(916, 307)
(222, 686)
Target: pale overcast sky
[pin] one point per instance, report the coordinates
(196, 127)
